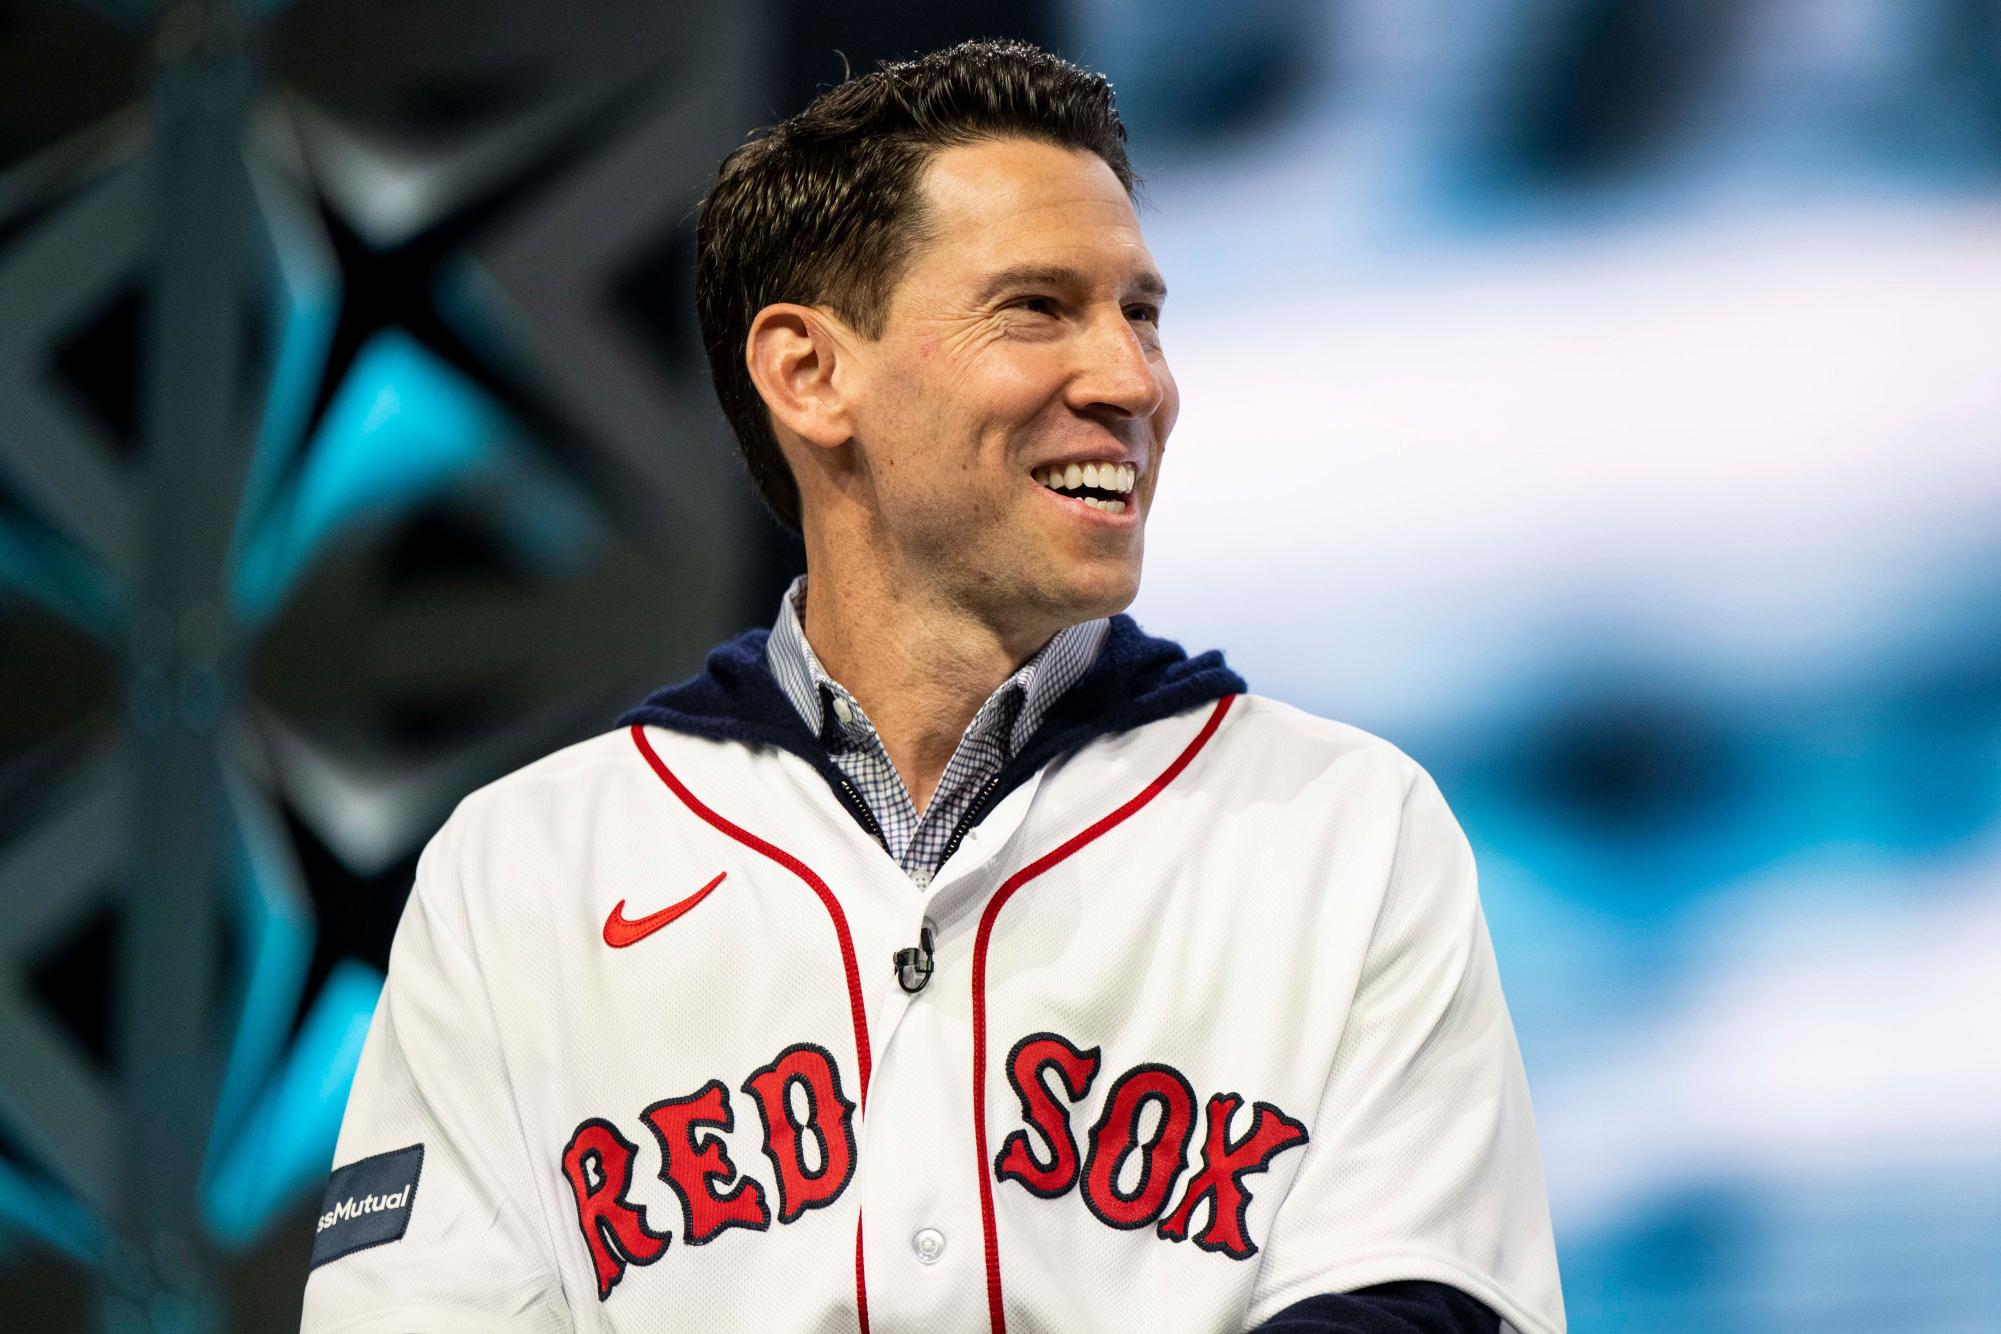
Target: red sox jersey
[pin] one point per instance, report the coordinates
(1212, 1025)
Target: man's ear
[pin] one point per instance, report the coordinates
(793, 353)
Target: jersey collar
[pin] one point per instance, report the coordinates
(1135, 679)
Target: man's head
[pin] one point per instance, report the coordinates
(921, 294)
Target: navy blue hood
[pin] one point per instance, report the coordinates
(1135, 679)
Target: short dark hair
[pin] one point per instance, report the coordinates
(823, 208)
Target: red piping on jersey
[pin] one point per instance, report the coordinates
(840, 920)
(996, 1316)
(861, 1275)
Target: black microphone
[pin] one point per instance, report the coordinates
(913, 966)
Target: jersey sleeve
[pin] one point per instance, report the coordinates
(430, 1220)
(1421, 1161)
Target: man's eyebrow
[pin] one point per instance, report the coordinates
(1145, 284)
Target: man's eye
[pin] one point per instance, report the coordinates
(1143, 314)
(1037, 305)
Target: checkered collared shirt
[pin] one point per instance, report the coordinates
(999, 730)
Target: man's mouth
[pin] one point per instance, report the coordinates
(1102, 486)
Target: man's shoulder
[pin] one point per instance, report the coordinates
(569, 773)
(573, 821)
(604, 774)
(1268, 760)
(1284, 732)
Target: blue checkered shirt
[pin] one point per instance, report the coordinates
(998, 731)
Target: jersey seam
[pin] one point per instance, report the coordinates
(1375, 925)
(553, 1268)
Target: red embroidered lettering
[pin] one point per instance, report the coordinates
(613, 1229)
(1034, 1054)
(1224, 1166)
(1117, 1135)
(829, 1122)
(692, 1169)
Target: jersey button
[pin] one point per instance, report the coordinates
(929, 1243)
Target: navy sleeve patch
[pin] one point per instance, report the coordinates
(367, 1203)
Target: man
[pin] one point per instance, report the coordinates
(955, 957)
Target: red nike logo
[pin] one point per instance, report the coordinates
(619, 931)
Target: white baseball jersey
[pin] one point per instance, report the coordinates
(1214, 1025)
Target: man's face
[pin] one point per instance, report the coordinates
(1022, 346)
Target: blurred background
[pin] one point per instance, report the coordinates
(1599, 398)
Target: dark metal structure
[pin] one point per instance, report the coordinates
(355, 447)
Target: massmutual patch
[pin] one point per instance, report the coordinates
(367, 1203)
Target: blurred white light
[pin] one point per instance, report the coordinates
(1385, 488)
(1862, 1042)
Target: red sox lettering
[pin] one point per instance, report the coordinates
(1224, 1167)
(1115, 1138)
(598, 1162)
(714, 1197)
(691, 1166)
(830, 1123)
(1031, 1058)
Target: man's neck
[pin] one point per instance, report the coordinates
(921, 671)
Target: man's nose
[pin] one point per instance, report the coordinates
(1117, 377)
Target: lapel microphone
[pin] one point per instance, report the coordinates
(913, 965)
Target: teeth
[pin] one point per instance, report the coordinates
(1116, 506)
(1106, 476)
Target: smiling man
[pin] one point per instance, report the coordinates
(971, 450)
(955, 956)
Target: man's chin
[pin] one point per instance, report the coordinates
(1096, 592)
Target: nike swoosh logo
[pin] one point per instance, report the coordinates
(620, 931)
